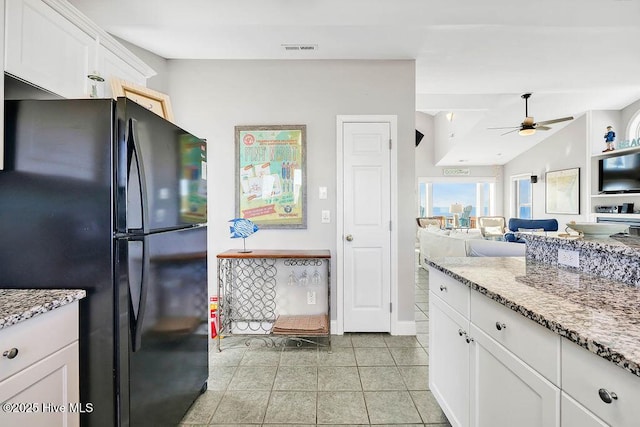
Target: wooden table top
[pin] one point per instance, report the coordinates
(276, 253)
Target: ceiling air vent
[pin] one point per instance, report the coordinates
(300, 47)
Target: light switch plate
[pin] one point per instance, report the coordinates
(326, 217)
(322, 193)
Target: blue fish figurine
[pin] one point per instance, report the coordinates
(242, 228)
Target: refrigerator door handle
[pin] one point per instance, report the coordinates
(137, 322)
(135, 154)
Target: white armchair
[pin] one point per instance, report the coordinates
(492, 226)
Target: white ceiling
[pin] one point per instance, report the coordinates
(474, 58)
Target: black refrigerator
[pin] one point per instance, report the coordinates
(106, 196)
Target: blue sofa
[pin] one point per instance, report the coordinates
(519, 224)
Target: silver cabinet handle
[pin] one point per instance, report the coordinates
(10, 354)
(607, 396)
(461, 332)
(443, 288)
(468, 338)
(500, 326)
(349, 238)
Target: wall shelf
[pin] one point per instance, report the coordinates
(616, 195)
(616, 152)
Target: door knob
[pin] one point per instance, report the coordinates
(10, 354)
(607, 396)
(349, 237)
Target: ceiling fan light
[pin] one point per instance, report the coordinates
(526, 132)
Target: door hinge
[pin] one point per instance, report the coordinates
(390, 307)
(390, 142)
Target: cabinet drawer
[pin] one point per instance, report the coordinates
(534, 344)
(37, 338)
(450, 291)
(585, 373)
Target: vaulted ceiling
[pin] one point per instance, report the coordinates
(473, 58)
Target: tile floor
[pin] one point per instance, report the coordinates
(368, 379)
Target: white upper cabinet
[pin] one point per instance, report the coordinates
(51, 44)
(46, 49)
(112, 66)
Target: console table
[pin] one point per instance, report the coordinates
(256, 300)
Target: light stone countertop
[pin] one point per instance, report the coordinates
(594, 312)
(17, 305)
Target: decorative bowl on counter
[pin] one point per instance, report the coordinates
(600, 229)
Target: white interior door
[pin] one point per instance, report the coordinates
(366, 227)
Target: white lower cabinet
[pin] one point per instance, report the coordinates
(491, 367)
(449, 360)
(505, 391)
(39, 371)
(44, 394)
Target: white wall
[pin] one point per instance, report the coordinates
(628, 114)
(565, 149)
(210, 97)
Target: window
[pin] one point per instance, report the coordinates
(437, 195)
(522, 206)
(633, 131)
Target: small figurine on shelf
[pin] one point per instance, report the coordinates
(242, 228)
(609, 137)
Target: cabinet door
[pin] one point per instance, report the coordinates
(46, 49)
(576, 415)
(506, 392)
(48, 390)
(449, 361)
(113, 66)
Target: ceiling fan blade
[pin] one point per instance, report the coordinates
(542, 127)
(508, 127)
(549, 122)
(511, 131)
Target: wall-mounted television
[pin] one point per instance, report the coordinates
(619, 174)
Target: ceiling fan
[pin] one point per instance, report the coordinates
(528, 126)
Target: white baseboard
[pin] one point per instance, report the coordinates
(401, 328)
(334, 328)
(407, 327)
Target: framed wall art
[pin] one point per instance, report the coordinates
(157, 102)
(562, 192)
(271, 175)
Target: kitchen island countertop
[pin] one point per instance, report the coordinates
(17, 305)
(597, 313)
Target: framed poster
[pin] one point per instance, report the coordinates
(562, 192)
(271, 175)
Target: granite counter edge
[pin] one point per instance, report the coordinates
(55, 298)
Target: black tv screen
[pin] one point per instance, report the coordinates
(620, 174)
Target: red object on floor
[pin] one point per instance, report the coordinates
(213, 312)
